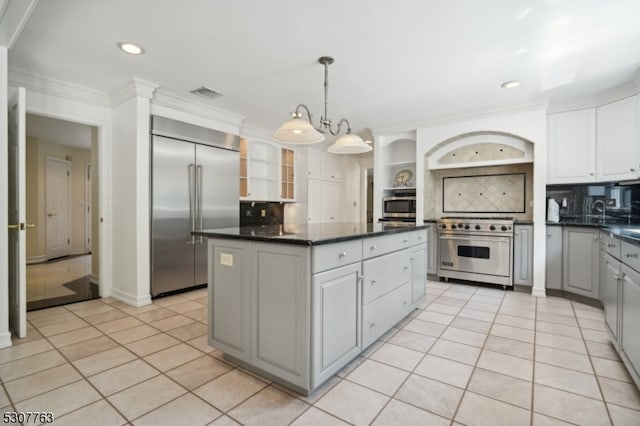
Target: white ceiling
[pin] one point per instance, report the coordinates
(395, 61)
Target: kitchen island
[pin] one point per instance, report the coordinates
(297, 303)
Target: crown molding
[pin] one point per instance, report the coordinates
(14, 15)
(173, 101)
(253, 132)
(136, 88)
(454, 117)
(50, 86)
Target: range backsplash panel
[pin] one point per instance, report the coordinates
(500, 193)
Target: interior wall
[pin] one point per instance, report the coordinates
(37, 152)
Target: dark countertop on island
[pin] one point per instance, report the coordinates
(310, 235)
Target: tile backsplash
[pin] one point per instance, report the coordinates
(261, 213)
(480, 191)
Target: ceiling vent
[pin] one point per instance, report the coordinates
(205, 92)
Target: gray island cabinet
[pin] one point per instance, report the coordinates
(298, 303)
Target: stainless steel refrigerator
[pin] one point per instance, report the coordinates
(194, 180)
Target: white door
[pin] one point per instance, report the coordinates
(17, 215)
(57, 207)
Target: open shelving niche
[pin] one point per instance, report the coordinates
(398, 155)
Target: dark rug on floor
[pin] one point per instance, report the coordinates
(83, 288)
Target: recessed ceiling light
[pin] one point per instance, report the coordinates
(130, 48)
(511, 84)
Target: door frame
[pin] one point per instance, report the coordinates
(47, 159)
(98, 116)
(88, 170)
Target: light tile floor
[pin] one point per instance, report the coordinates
(470, 356)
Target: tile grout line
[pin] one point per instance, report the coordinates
(604, 401)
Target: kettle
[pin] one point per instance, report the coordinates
(553, 211)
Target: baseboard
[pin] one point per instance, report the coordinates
(538, 292)
(36, 259)
(77, 252)
(5, 339)
(130, 299)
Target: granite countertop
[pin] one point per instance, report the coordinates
(629, 233)
(313, 234)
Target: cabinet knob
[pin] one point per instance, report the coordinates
(609, 245)
(343, 254)
(373, 247)
(404, 303)
(548, 234)
(405, 268)
(517, 233)
(631, 255)
(632, 170)
(591, 174)
(372, 324)
(595, 238)
(373, 282)
(405, 241)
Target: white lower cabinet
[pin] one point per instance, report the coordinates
(384, 273)
(418, 273)
(336, 320)
(523, 255)
(611, 284)
(629, 330)
(581, 261)
(382, 314)
(229, 305)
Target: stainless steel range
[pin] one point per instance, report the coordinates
(476, 249)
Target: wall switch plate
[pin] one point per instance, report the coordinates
(226, 259)
(263, 212)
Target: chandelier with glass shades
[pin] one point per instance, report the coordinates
(299, 130)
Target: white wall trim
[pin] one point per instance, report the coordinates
(46, 85)
(131, 299)
(77, 252)
(52, 105)
(5, 339)
(94, 279)
(36, 259)
(137, 87)
(538, 292)
(252, 132)
(163, 98)
(14, 15)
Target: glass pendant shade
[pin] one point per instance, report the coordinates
(298, 131)
(349, 144)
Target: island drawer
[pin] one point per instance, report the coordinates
(610, 244)
(418, 237)
(378, 317)
(383, 274)
(377, 246)
(630, 255)
(329, 256)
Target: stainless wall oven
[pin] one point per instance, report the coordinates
(476, 249)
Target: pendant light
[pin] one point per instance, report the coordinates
(300, 130)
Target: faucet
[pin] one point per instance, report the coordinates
(601, 209)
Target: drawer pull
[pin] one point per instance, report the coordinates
(609, 245)
(405, 268)
(374, 282)
(372, 324)
(548, 234)
(616, 277)
(373, 247)
(404, 303)
(631, 255)
(343, 254)
(405, 241)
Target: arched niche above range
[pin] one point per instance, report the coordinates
(480, 149)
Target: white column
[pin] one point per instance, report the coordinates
(5, 334)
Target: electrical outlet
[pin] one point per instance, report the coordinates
(263, 212)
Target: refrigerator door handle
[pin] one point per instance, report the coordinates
(192, 200)
(199, 200)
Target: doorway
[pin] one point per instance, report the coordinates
(61, 250)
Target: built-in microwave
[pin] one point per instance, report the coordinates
(399, 206)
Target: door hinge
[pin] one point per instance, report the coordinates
(68, 241)
(67, 173)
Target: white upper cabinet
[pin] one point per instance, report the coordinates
(618, 141)
(596, 144)
(326, 166)
(572, 147)
(266, 171)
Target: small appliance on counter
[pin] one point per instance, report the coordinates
(553, 210)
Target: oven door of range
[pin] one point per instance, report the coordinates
(476, 254)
